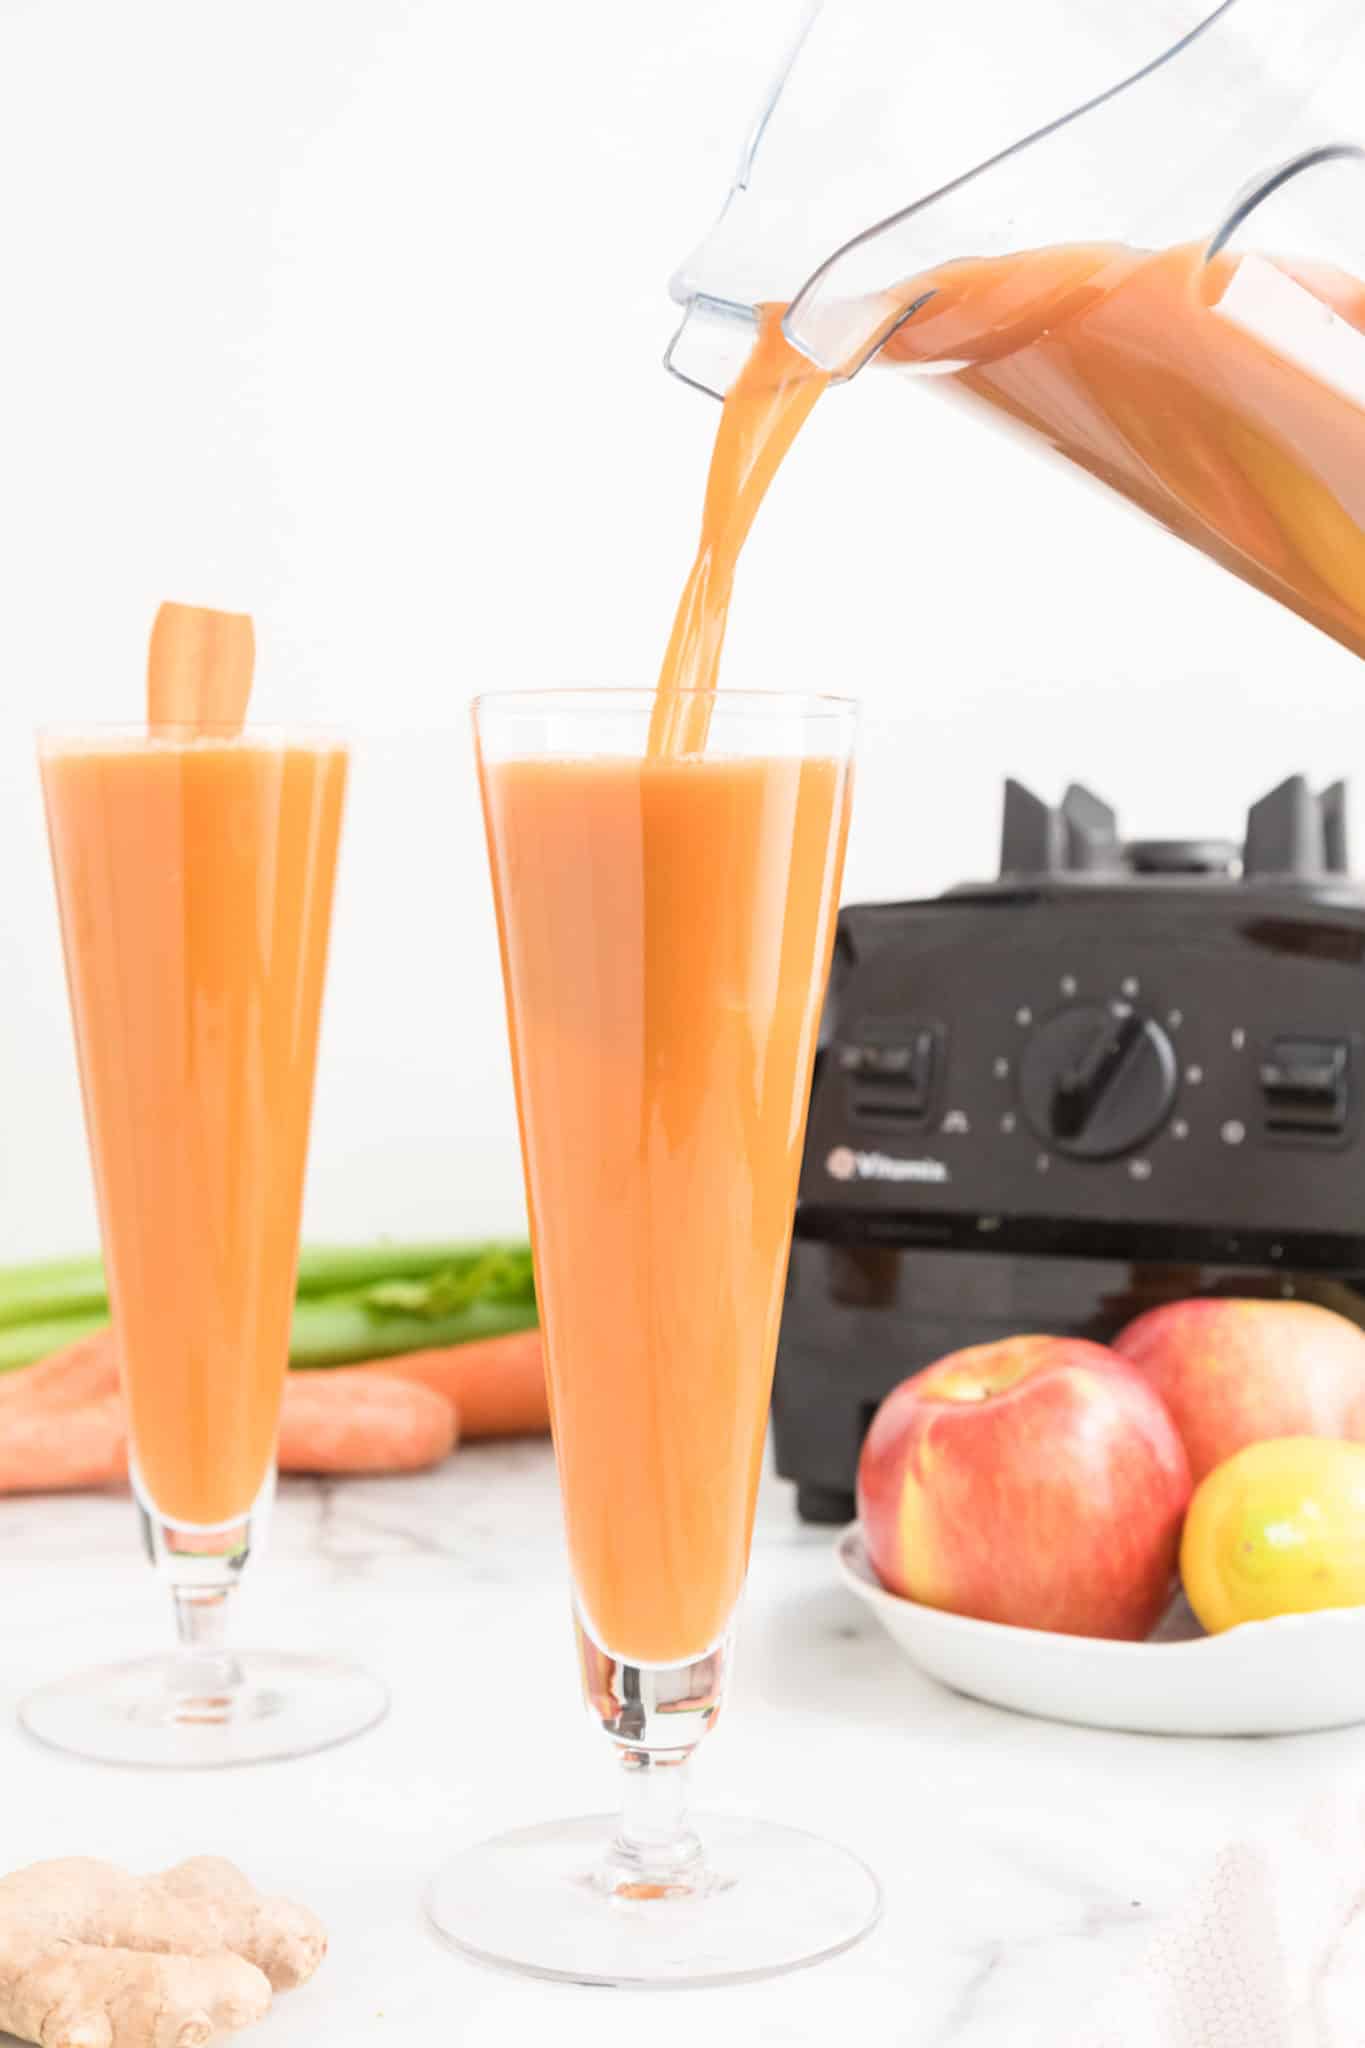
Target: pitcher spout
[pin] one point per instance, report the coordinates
(711, 344)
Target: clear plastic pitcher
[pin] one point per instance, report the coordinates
(1136, 233)
(897, 138)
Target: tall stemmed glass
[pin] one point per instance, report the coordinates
(666, 924)
(194, 874)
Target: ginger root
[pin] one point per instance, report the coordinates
(93, 1957)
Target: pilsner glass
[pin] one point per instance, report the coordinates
(194, 873)
(666, 924)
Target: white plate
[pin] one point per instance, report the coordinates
(1278, 1677)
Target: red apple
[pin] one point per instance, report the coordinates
(1234, 1373)
(1037, 1481)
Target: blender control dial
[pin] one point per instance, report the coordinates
(1095, 1082)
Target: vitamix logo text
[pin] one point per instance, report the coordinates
(843, 1163)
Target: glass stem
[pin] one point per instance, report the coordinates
(655, 1715)
(202, 1568)
(655, 1854)
(206, 1667)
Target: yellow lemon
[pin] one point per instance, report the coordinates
(1277, 1529)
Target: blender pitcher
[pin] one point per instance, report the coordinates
(1138, 235)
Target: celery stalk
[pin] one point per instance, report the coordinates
(343, 1268)
(345, 1332)
(354, 1301)
(51, 1289)
(26, 1343)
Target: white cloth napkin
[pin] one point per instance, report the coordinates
(1268, 1952)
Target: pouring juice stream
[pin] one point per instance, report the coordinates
(762, 415)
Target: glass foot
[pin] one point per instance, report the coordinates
(766, 1899)
(274, 1705)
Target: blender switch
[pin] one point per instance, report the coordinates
(1304, 1086)
(892, 1080)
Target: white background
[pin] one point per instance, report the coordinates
(350, 313)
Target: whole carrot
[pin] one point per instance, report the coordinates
(45, 1448)
(496, 1383)
(62, 1423)
(84, 1371)
(358, 1420)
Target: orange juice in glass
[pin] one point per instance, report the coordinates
(194, 874)
(666, 918)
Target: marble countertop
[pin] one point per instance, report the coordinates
(1024, 1861)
